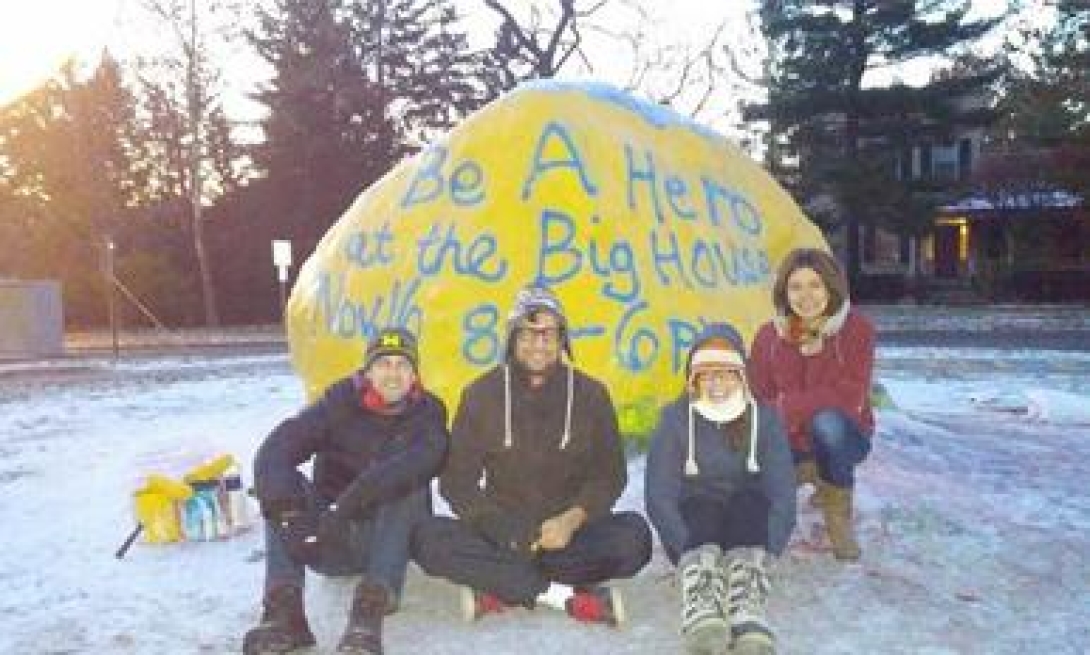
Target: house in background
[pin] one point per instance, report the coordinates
(1022, 246)
(1003, 244)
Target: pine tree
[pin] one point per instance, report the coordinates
(820, 108)
(1047, 110)
(355, 87)
(420, 58)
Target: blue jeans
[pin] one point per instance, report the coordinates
(376, 547)
(839, 445)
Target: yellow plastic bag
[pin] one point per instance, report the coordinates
(157, 507)
(210, 471)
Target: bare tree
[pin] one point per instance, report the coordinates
(539, 45)
(184, 89)
(700, 77)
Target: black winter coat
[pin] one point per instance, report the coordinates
(533, 478)
(387, 455)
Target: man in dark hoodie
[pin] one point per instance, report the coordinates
(376, 439)
(721, 494)
(535, 466)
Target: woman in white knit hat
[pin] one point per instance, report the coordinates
(721, 495)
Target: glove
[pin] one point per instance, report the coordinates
(297, 526)
(275, 509)
(508, 530)
(334, 531)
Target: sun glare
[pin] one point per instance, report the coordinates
(37, 36)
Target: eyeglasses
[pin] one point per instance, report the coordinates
(547, 336)
(720, 376)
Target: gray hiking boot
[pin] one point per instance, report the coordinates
(747, 597)
(704, 625)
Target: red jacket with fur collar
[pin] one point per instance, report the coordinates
(838, 377)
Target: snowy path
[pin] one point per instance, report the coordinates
(974, 519)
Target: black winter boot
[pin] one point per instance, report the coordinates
(284, 627)
(363, 634)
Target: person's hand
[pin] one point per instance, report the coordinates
(298, 528)
(508, 530)
(333, 530)
(556, 533)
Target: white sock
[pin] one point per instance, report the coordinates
(556, 596)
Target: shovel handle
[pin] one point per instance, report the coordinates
(129, 541)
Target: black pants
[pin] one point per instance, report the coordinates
(738, 520)
(614, 546)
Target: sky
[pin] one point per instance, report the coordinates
(971, 511)
(37, 36)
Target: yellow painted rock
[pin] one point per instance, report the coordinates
(645, 224)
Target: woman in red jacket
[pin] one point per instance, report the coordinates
(813, 362)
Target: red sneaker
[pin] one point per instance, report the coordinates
(597, 605)
(475, 604)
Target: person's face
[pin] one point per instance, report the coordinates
(806, 293)
(718, 385)
(537, 342)
(391, 376)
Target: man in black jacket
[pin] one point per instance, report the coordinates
(543, 436)
(376, 439)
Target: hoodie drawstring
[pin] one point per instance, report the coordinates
(751, 462)
(508, 439)
(691, 467)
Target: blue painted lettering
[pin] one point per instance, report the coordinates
(622, 262)
(677, 194)
(466, 186)
(481, 346)
(661, 257)
(366, 249)
(557, 259)
(479, 260)
(349, 318)
(568, 158)
(646, 176)
(636, 346)
(682, 337)
(703, 264)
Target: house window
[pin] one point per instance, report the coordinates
(925, 161)
(965, 158)
(881, 250)
(944, 163)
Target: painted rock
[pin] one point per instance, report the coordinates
(645, 224)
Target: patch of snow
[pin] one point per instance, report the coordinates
(972, 513)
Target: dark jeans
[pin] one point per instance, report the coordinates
(839, 445)
(614, 546)
(376, 547)
(739, 520)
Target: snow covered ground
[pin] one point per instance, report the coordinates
(973, 515)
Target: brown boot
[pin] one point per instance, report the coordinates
(363, 634)
(284, 627)
(837, 508)
(806, 473)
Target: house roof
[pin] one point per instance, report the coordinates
(980, 202)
